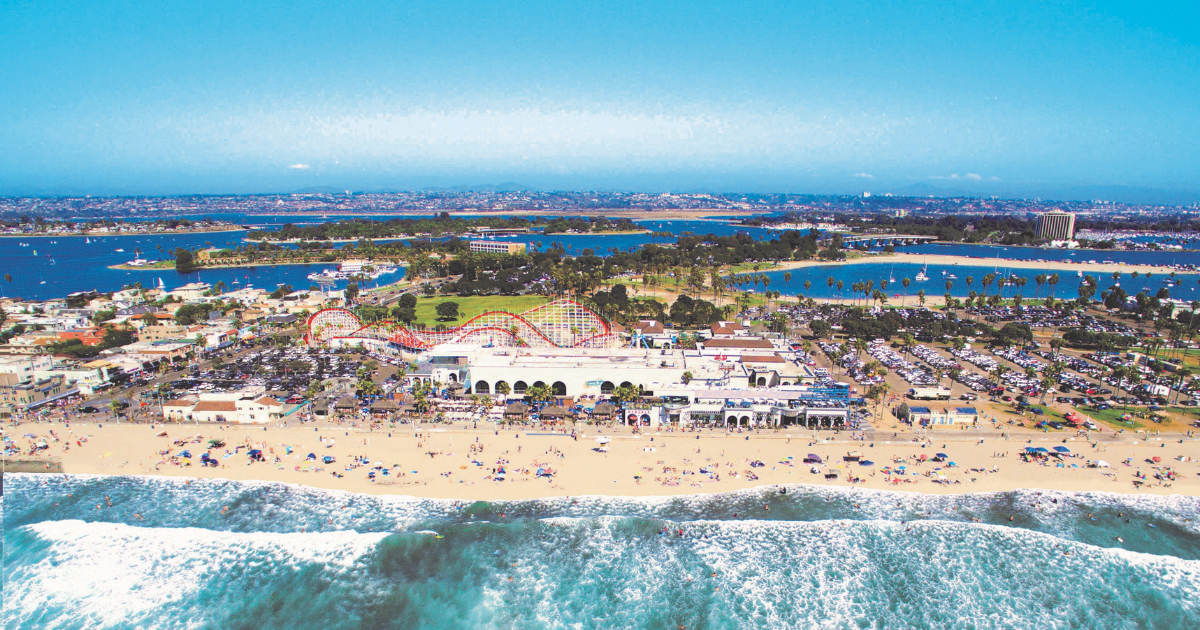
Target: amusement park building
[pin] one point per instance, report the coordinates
(596, 372)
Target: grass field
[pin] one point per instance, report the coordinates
(469, 307)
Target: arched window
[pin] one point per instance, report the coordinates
(502, 387)
(481, 387)
(539, 383)
(626, 384)
(559, 388)
(520, 387)
(607, 388)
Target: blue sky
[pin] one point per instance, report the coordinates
(133, 96)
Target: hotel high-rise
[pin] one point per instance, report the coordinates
(1056, 226)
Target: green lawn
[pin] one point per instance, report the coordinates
(1110, 417)
(469, 307)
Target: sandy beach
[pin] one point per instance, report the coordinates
(438, 461)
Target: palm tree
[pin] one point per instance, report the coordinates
(987, 282)
(921, 296)
(840, 284)
(1181, 375)
(904, 282)
(1052, 281)
(998, 373)
(787, 277)
(829, 283)
(539, 393)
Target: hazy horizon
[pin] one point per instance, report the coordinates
(1013, 99)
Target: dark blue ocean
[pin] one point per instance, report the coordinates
(298, 558)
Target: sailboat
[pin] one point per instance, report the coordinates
(52, 262)
(87, 240)
(160, 283)
(921, 277)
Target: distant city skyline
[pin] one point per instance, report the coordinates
(1082, 100)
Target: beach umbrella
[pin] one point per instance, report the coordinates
(186, 454)
(866, 462)
(1156, 459)
(1062, 449)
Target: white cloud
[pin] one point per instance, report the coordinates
(865, 175)
(299, 167)
(975, 177)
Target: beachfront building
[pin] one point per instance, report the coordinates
(599, 372)
(497, 247)
(926, 416)
(812, 407)
(33, 393)
(87, 378)
(1056, 225)
(566, 371)
(248, 406)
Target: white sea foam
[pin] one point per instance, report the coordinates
(109, 575)
(834, 574)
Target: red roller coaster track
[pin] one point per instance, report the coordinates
(559, 324)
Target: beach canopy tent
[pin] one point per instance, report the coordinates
(384, 405)
(812, 458)
(604, 409)
(346, 402)
(1062, 449)
(516, 410)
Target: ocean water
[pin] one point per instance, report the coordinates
(221, 554)
(1188, 287)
